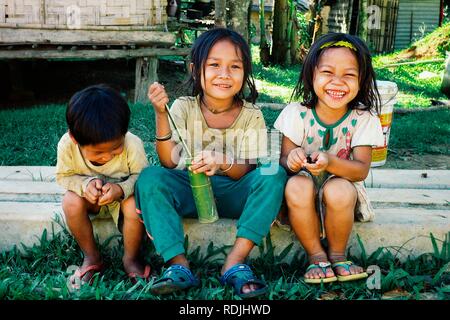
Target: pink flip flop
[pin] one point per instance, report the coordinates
(145, 276)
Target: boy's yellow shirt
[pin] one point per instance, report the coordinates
(74, 172)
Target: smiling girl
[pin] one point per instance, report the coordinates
(226, 135)
(326, 148)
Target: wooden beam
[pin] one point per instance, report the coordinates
(88, 28)
(79, 37)
(90, 54)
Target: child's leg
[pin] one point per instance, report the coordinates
(164, 196)
(76, 211)
(132, 236)
(340, 199)
(300, 199)
(256, 199)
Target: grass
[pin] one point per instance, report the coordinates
(276, 83)
(29, 138)
(39, 272)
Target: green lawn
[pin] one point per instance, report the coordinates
(40, 273)
(30, 136)
(276, 84)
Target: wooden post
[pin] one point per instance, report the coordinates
(146, 74)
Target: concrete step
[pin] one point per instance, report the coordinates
(31, 191)
(377, 178)
(408, 179)
(408, 206)
(38, 191)
(404, 229)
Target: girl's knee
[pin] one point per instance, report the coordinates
(339, 194)
(299, 191)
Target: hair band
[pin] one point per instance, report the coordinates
(341, 43)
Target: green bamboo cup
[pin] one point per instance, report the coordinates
(203, 196)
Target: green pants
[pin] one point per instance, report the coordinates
(164, 196)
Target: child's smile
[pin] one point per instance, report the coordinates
(336, 78)
(336, 94)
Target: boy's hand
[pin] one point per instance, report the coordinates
(158, 97)
(93, 190)
(320, 163)
(110, 193)
(296, 159)
(208, 162)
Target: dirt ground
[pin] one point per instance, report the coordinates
(417, 161)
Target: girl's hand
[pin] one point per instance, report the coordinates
(296, 159)
(208, 162)
(158, 97)
(110, 193)
(320, 163)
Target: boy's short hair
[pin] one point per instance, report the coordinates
(97, 114)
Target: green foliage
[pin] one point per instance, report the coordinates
(303, 29)
(414, 91)
(424, 132)
(39, 272)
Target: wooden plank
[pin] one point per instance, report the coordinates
(90, 54)
(89, 28)
(26, 36)
(146, 74)
(2, 11)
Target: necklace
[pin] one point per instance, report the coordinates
(215, 111)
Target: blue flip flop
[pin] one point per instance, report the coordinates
(238, 276)
(175, 278)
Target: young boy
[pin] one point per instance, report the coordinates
(98, 164)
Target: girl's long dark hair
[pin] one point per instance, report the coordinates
(368, 97)
(199, 54)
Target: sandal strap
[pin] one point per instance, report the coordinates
(175, 268)
(321, 265)
(344, 264)
(247, 277)
(240, 267)
(95, 268)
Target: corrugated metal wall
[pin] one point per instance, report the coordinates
(339, 17)
(415, 18)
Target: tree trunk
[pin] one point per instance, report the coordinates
(240, 17)
(280, 22)
(220, 20)
(264, 49)
(314, 27)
